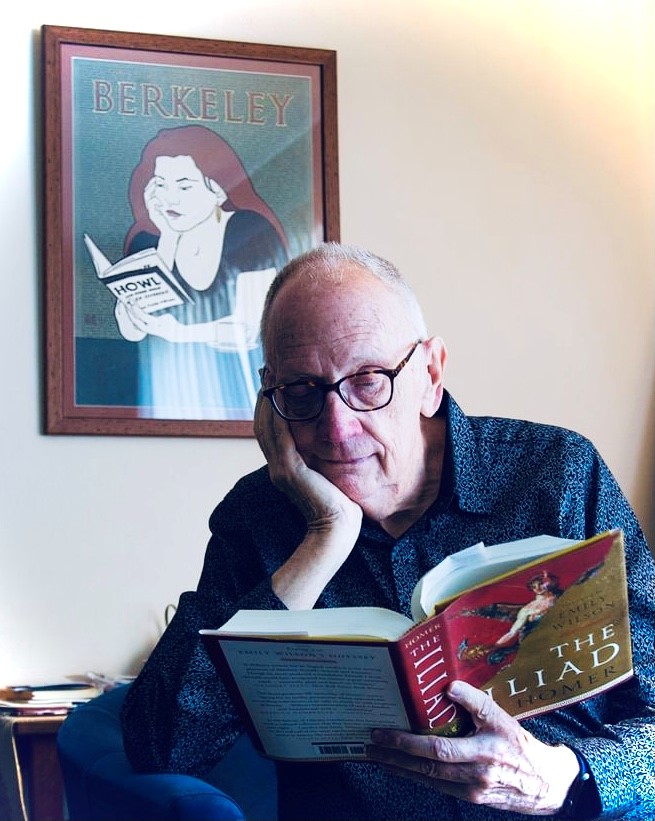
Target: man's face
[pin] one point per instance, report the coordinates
(333, 329)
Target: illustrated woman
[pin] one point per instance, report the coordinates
(193, 201)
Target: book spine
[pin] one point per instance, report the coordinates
(425, 666)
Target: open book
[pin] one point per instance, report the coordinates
(141, 279)
(538, 623)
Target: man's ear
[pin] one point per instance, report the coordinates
(436, 355)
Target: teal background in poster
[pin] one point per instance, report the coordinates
(107, 144)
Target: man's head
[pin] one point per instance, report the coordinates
(338, 311)
(330, 262)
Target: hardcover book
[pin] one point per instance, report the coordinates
(538, 624)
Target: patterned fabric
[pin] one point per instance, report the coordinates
(502, 480)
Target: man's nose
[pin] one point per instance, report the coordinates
(337, 421)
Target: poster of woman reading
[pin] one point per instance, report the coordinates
(192, 179)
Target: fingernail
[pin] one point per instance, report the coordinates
(455, 689)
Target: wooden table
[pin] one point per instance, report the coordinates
(36, 746)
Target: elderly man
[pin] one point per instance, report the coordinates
(373, 476)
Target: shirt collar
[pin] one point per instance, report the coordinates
(465, 474)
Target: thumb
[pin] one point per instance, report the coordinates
(483, 710)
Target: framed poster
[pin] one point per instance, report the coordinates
(180, 174)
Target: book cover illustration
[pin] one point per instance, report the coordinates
(546, 635)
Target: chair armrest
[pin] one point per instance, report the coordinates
(101, 785)
(120, 794)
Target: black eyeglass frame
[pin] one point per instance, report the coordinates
(390, 373)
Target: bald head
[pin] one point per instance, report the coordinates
(332, 263)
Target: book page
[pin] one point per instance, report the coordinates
(355, 622)
(316, 700)
(476, 565)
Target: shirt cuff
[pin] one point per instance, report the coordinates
(582, 801)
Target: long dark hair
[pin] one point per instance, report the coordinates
(216, 160)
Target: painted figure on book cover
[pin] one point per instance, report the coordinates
(491, 625)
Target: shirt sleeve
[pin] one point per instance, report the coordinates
(177, 715)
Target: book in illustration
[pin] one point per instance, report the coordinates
(141, 280)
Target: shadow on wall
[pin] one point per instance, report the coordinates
(650, 535)
(140, 657)
(646, 473)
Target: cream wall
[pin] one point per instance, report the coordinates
(499, 151)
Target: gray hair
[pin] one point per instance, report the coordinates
(328, 261)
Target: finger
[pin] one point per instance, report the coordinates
(264, 426)
(286, 467)
(149, 191)
(452, 779)
(141, 320)
(258, 421)
(406, 744)
(135, 311)
(495, 729)
(481, 707)
(269, 428)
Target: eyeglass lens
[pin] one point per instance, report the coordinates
(363, 392)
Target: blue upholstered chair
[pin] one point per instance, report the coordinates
(101, 785)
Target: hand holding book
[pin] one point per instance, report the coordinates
(498, 763)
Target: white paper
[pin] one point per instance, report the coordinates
(316, 700)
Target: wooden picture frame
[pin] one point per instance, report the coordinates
(208, 164)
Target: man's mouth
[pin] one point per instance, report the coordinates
(345, 461)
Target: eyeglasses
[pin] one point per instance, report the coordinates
(368, 390)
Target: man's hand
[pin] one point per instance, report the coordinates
(333, 520)
(499, 764)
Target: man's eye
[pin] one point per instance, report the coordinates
(366, 381)
(300, 390)
(363, 379)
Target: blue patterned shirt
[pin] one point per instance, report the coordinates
(502, 480)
